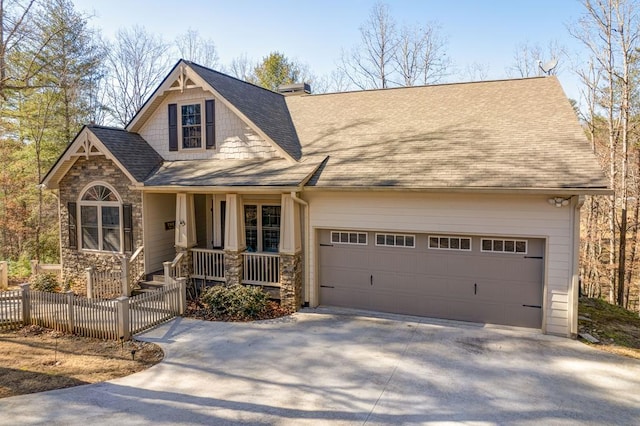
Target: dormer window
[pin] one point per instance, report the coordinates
(191, 126)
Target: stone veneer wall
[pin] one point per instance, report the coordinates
(291, 280)
(233, 267)
(84, 172)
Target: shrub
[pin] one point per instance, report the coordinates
(45, 282)
(236, 302)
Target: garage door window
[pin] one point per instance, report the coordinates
(396, 240)
(449, 243)
(347, 237)
(504, 246)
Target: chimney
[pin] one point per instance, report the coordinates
(294, 89)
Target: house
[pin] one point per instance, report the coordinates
(457, 201)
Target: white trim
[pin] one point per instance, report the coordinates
(203, 132)
(395, 240)
(98, 204)
(259, 240)
(358, 234)
(449, 238)
(504, 240)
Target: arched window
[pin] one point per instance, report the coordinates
(100, 219)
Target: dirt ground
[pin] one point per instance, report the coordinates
(34, 359)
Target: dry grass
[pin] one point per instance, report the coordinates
(617, 328)
(34, 359)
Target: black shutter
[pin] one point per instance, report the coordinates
(73, 226)
(173, 127)
(210, 118)
(127, 225)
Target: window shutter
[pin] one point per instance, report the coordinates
(127, 226)
(73, 226)
(173, 127)
(210, 118)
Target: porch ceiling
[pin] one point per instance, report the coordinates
(229, 173)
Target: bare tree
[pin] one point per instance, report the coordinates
(420, 56)
(370, 64)
(476, 72)
(527, 59)
(609, 29)
(241, 68)
(137, 63)
(192, 47)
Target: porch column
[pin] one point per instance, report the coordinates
(290, 254)
(185, 221)
(234, 239)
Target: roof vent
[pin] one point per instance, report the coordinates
(294, 89)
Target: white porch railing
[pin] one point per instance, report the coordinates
(261, 269)
(175, 269)
(208, 264)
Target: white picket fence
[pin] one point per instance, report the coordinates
(103, 318)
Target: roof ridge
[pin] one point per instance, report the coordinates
(100, 126)
(423, 86)
(232, 77)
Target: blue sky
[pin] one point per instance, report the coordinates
(314, 32)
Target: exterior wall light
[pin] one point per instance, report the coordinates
(559, 201)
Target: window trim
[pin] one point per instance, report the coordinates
(449, 237)
(259, 229)
(514, 240)
(358, 233)
(99, 204)
(203, 136)
(395, 236)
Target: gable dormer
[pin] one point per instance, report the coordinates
(198, 113)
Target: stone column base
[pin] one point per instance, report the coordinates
(233, 267)
(291, 281)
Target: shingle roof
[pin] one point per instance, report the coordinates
(131, 150)
(499, 134)
(266, 109)
(225, 172)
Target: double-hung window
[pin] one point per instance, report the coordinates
(100, 219)
(191, 121)
(262, 227)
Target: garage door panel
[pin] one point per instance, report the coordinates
(463, 285)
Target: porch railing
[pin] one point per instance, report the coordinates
(175, 269)
(261, 269)
(208, 264)
(135, 268)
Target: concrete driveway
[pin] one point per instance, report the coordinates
(343, 367)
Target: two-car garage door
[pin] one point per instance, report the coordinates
(469, 278)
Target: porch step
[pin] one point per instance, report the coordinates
(148, 287)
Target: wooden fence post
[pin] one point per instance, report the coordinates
(34, 267)
(90, 283)
(126, 289)
(124, 329)
(167, 272)
(70, 324)
(26, 304)
(182, 295)
(4, 275)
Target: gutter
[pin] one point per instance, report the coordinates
(469, 190)
(307, 232)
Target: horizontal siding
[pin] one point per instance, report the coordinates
(159, 243)
(484, 215)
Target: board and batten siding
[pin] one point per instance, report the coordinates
(234, 138)
(158, 241)
(459, 214)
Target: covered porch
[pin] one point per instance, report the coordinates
(230, 238)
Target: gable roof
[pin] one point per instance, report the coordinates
(510, 134)
(128, 150)
(131, 150)
(265, 109)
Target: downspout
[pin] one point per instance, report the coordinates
(577, 202)
(305, 205)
